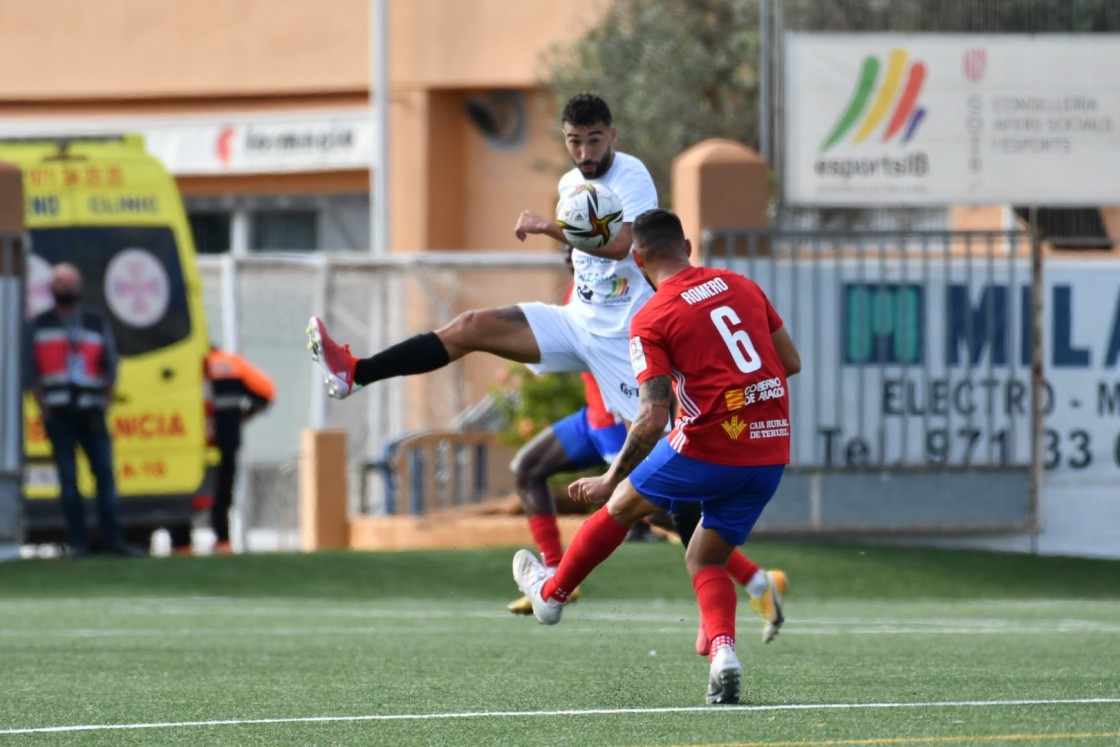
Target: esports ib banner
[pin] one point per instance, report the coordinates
(928, 119)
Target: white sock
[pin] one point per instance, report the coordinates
(758, 584)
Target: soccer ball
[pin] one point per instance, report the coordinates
(590, 215)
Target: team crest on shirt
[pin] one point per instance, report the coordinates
(637, 355)
(734, 427)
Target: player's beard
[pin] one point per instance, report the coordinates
(601, 167)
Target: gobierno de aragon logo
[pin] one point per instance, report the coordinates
(884, 109)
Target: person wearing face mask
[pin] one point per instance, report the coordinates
(70, 368)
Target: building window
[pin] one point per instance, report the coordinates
(1069, 228)
(284, 230)
(211, 232)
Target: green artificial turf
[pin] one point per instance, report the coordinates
(882, 646)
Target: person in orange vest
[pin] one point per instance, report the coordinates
(240, 391)
(70, 368)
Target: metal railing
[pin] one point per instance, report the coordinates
(919, 406)
(11, 396)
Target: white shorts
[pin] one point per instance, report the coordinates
(566, 346)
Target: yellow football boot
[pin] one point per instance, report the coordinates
(769, 605)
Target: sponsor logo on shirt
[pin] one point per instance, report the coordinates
(637, 355)
(619, 287)
(761, 391)
(618, 294)
(734, 427)
(769, 428)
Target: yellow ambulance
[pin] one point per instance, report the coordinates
(110, 208)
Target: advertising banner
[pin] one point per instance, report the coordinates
(232, 143)
(923, 119)
(902, 371)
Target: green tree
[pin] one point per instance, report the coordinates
(529, 403)
(674, 74)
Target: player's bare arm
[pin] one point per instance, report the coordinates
(654, 406)
(787, 350)
(618, 249)
(530, 222)
(655, 402)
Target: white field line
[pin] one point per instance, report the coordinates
(952, 615)
(251, 605)
(718, 711)
(662, 625)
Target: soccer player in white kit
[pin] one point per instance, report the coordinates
(589, 334)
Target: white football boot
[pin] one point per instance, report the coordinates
(724, 677)
(530, 575)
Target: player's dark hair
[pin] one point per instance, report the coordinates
(586, 109)
(658, 231)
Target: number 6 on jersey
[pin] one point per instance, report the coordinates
(737, 340)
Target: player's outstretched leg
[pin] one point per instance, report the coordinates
(335, 361)
(344, 374)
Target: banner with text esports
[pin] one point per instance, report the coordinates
(925, 119)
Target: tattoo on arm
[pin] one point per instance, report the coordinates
(655, 401)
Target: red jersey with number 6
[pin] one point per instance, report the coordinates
(710, 329)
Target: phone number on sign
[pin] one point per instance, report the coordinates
(966, 446)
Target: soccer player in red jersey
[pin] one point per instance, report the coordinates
(713, 336)
(592, 437)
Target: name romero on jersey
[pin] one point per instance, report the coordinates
(713, 287)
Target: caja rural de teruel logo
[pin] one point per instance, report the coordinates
(885, 103)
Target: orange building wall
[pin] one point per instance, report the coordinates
(78, 49)
(480, 43)
(449, 189)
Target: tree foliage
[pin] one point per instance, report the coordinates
(673, 73)
(528, 403)
(677, 73)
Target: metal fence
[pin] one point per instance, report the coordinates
(260, 305)
(919, 406)
(11, 411)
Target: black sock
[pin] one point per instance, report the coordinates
(418, 354)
